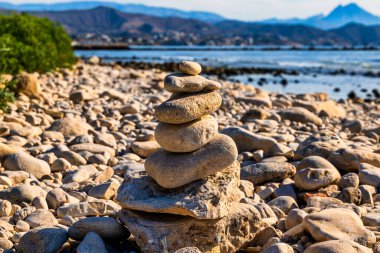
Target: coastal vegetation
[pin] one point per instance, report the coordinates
(33, 44)
(30, 44)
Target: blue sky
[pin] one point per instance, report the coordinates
(248, 9)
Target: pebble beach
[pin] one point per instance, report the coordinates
(105, 158)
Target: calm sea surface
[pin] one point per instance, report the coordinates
(315, 66)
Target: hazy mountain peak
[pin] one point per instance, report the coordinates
(351, 13)
(351, 9)
(339, 16)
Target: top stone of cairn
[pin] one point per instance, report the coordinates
(190, 68)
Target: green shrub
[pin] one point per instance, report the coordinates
(7, 94)
(33, 44)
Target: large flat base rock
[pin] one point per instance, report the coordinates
(168, 233)
(208, 198)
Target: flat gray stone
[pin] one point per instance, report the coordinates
(207, 198)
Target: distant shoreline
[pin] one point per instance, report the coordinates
(224, 48)
(223, 71)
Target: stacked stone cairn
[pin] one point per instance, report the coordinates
(188, 195)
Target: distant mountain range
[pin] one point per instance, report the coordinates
(140, 29)
(126, 8)
(340, 16)
(144, 25)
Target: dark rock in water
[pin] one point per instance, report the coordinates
(284, 82)
(376, 92)
(363, 90)
(336, 89)
(352, 95)
(263, 80)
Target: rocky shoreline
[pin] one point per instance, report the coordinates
(72, 175)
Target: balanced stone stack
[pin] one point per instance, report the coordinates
(188, 195)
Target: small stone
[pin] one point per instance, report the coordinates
(78, 176)
(105, 139)
(188, 250)
(94, 60)
(182, 83)
(28, 85)
(145, 148)
(294, 218)
(17, 177)
(80, 96)
(336, 224)
(104, 176)
(371, 219)
(314, 162)
(369, 174)
(190, 68)
(267, 213)
(40, 218)
(105, 227)
(366, 192)
(22, 226)
(92, 243)
(300, 114)
(130, 109)
(25, 162)
(6, 150)
(43, 240)
(350, 159)
(17, 237)
(89, 208)
(337, 246)
(349, 180)
(70, 126)
(168, 168)
(40, 203)
(355, 126)
(6, 181)
(5, 208)
(279, 248)
(263, 236)
(284, 203)
(67, 221)
(22, 193)
(93, 148)
(323, 145)
(260, 173)
(323, 202)
(186, 137)
(285, 190)
(104, 191)
(247, 141)
(184, 108)
(351, 195)
(5, 244)
(60, 164)
(265, 193)
(56, 198)
(247, 188)
(314, 179)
